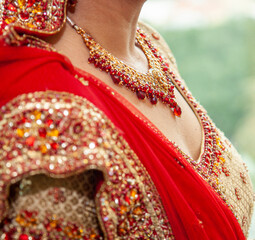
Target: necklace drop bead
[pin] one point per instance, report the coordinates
(154, 100)
(141, 95)
(177, 111)
(116, 79)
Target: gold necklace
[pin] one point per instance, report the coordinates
(156, 84)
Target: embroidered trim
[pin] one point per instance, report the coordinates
(30, 228)
(217, 165)
(11, 37)
(60, 134)
(34, 17)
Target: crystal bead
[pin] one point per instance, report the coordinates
(141, 95)
(154, 100)
(23, 237)
(177, 111)
(116, 79)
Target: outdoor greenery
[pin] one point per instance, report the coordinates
(217, 65)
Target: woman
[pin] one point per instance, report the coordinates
(113, 147)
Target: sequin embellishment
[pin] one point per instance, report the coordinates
(38, 16)
(60, 134)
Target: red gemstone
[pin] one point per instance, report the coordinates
(47, 226)
(96, 64)
(30, 141)
(1, 144)
(141, 95)
(120, 74)
(28, 213)
(126, 79)
(116, 79)
(113, 72)
(107, 68)
(59, 229)
(42, 132)
(96, 56)
(49, 122)
(30, 3)
(24, 120)
(154, 100)
(161, 94)
(101, 63)
(142, 35)
(39, 19)
(24, 15)
(12, 8)
(43, 25)
(157, 93)
(166, 100)
(54, 146)
(173, 104)
(23, 237)
(7, 236)
(146, 87)
(77, 128)
(207, 159)
(91, 60)
(127, 199)
(177, 111)
(150, 91)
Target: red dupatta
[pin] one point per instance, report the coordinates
(194, 209)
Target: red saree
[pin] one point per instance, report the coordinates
(193, 208)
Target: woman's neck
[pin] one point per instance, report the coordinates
(112, 23)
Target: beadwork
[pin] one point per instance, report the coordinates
(43, 17)
(27, 226)
(62, 134)
(219, 167)
(42, 207)
(221, 171)
(155, 84)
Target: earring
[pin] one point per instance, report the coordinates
(72, 3)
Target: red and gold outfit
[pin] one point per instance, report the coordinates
(78, 161)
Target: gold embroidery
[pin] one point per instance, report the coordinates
(60, 134)
(41, 17)
(236, 187)
(11, 37)
(221, 166)
(42, 207)
(226, 172)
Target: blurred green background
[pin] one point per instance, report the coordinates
(217, 62)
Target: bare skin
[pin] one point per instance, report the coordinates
(113, 24)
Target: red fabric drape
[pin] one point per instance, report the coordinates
(194, 209)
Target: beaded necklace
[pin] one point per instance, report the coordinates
(156, 84)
